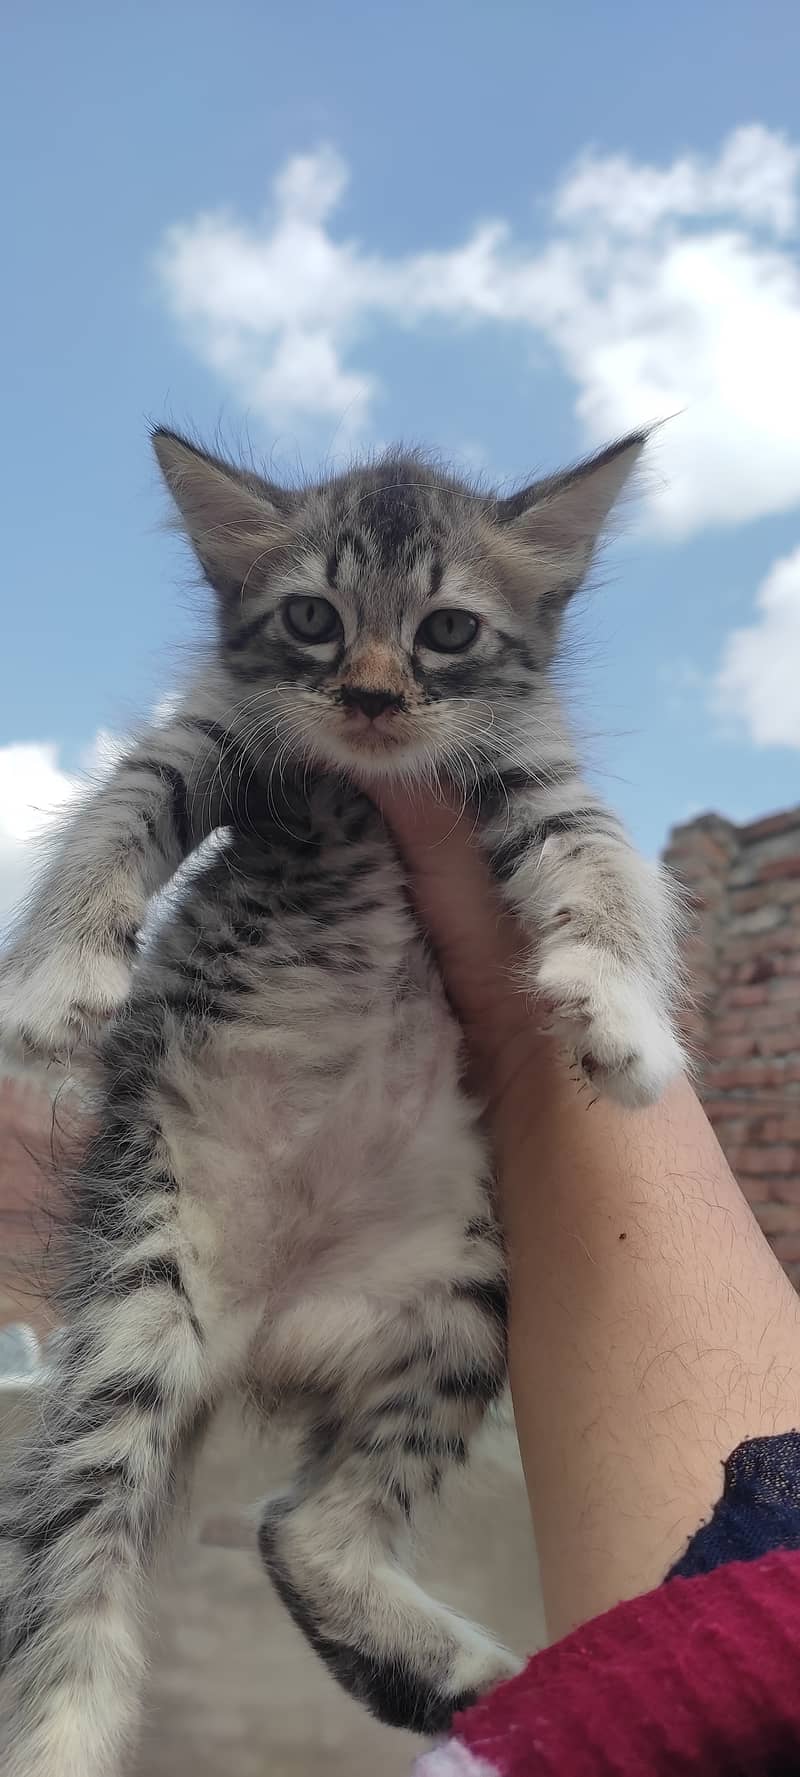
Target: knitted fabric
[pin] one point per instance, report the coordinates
(700, 1678)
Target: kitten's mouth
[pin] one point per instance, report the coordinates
(383, 733)
(384, 742)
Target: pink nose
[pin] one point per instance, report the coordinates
(371, 703)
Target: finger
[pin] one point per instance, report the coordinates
(477, 942)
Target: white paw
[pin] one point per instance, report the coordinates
(611, 1023)
(479, 1665)
(52, 1008)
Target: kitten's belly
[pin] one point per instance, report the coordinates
(335, 1159)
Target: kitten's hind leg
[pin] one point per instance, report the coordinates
(336, 1547)
(81, 1512)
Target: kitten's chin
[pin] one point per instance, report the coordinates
(376, 754)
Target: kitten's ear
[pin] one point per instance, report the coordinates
(563, 516)
(233, 518)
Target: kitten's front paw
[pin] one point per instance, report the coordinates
(618, 1034)
(51, 1009)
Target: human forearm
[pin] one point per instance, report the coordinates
(652, 1330)
(651, 1327)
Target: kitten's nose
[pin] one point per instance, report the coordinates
(373, 703)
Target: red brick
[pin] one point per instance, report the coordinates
(700, 938)
(698, 949)
(725, 1048)
(766, 918)
(728, 1075)
(744, 1104)
(782, 892)
(757, 1104)
(692, 856)
(769, 825)
(753, 1190)
(780, 989)
(717, 1109)
(756, 1072)
(779, 867)
(701, 973)
(728, 1024)
(693, 1020)
(781, 1190)
(731, 1122)
(785, 892)
(702, 992)
(743, 900)
(702, 980)
(785, 1041)
(786, 1247)
(693, 901)
(778, 1013)
(784, 940)
(778, 1218)
(731, 1145)
(759, 968)
(785, 985)
(781, 1129)
(768, 1160)
(748, 996)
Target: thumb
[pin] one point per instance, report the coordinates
(478, 944)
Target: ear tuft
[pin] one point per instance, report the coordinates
(231, 516)
(563, 516)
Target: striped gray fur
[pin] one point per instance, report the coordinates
(288, 1195)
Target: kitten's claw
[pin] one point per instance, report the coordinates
(611, 1023)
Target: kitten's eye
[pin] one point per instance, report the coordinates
(448, 631)
(311, 619)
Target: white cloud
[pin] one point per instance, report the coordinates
(34, 790)
(662, 291)
(757, 679)
(753, 177)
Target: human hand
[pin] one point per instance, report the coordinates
(479, 945)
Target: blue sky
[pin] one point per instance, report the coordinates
(506, 229)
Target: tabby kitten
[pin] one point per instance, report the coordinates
(288, 1194)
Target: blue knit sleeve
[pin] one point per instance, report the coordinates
(759, 1509)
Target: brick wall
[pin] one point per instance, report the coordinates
(744, 964)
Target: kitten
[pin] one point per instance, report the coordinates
(289, 1193)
